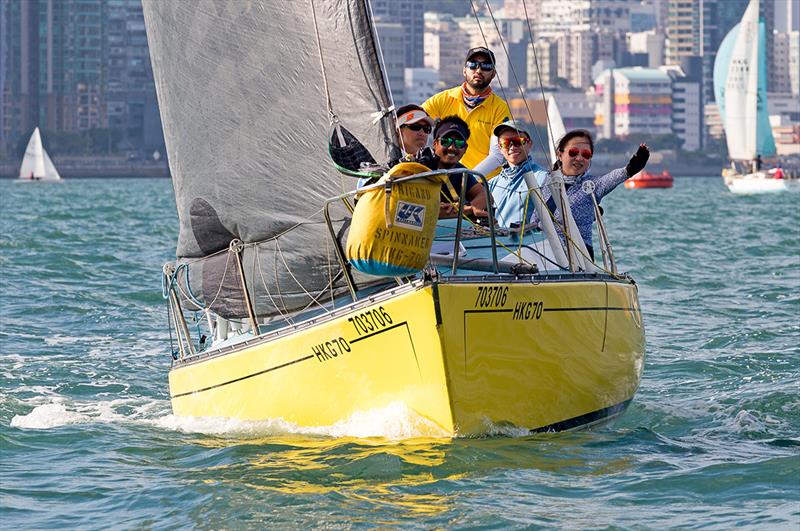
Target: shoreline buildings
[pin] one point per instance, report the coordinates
(78, 65)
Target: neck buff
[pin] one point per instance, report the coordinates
(568, 179)
(473, 101)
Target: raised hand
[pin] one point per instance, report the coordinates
(638, 160)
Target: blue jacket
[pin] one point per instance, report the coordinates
(510, 193)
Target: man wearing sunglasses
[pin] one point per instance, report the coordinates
(474, 102)
(450, 142)
(513, 206)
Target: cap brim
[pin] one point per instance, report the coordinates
(500, 128)
(427, 119)
(453, 133)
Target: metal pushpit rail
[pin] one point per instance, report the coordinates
(419, 176)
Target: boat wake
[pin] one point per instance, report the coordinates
(56, 411)
(395, 421)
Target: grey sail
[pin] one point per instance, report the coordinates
(246, 107)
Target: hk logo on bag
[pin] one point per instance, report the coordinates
(409, 215)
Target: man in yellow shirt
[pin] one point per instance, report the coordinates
(475, 103)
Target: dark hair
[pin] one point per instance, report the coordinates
(410, 107)
(575, 133)
(457, 123)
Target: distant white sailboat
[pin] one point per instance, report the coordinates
(36, 164)
(740, 89)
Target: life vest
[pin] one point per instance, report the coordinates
(393, 226)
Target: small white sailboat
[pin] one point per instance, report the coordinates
(740, 89)
(36, 164)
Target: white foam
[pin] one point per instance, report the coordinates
(47, 416)
(67, 340)
(395, 421)
(52, 411)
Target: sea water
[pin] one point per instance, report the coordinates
(88, 439)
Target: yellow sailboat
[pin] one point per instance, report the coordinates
(496, 328)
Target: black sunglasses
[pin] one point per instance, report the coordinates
(474, 65)
(419, 127)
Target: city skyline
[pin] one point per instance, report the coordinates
(80, 67)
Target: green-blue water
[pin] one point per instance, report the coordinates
(87, 438)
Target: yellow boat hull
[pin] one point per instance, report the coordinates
(468, 355)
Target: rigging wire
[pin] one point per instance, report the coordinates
(322, 64)
(516, 79)
(500, 83)
(539, 76)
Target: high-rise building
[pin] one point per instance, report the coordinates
(576, 57)
(75, 66)
(420, 84)
(781, 79)
(787, 15)
(411, 15)
(543, 63)
(20, 80)
(392, 37)
(55, 64)
(586, 32)
(510, 47)
(633, 101)
(446, 46)
(687, 109)
(130, 91)
(649, 43)
(82, 25)
(696, 28)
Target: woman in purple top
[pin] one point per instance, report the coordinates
(574, 155)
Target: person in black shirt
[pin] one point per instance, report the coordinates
(450, 137)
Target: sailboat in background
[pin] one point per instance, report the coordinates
(483, 335)
(36, 164)
(740, 89)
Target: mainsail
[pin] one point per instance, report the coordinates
(740, 88)
(247, 90)
(36, 163)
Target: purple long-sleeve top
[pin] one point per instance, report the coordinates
(581, 202)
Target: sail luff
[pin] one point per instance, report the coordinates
(765, 141)
(721, 66)
(751, 91)
(556, 129)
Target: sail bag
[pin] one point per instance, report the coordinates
(393, 226)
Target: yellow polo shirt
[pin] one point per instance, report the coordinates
(481, 120)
